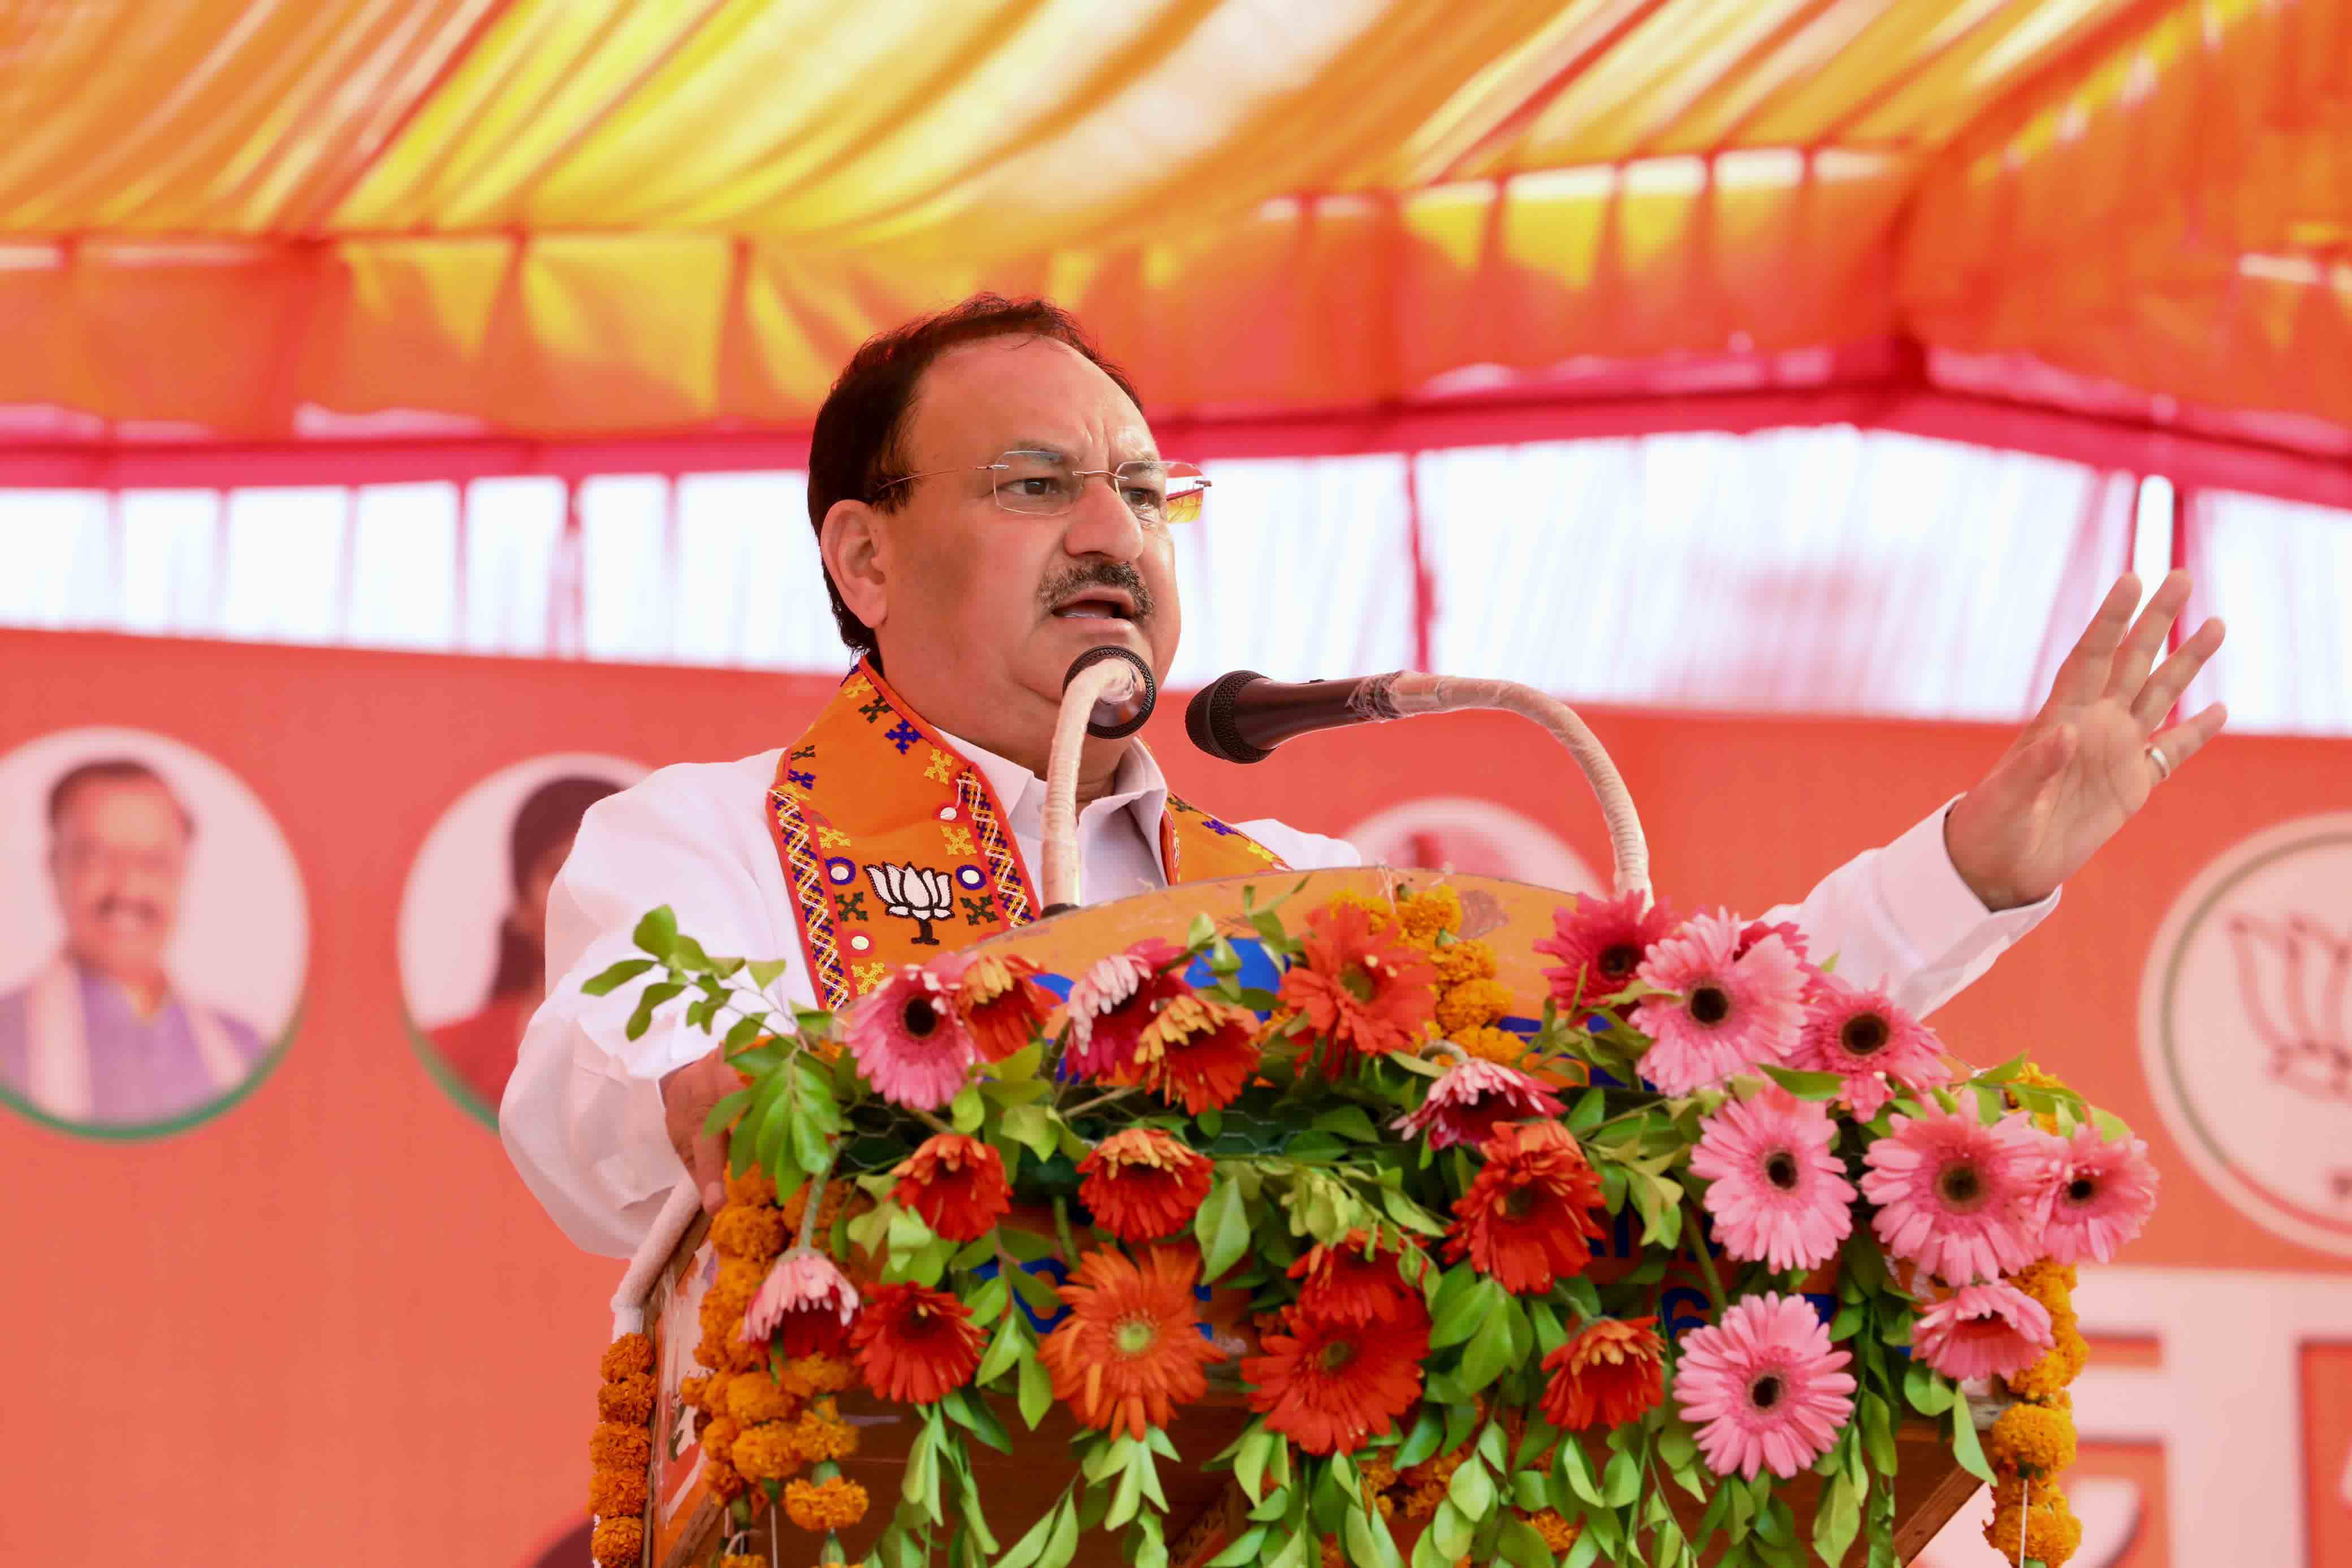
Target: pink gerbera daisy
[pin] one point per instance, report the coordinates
(1114, 1002)
(1778, 1196)
(805, 1285)
(1859, 1035)
(908, 1039)
(1764, 1387)
(2100, 1197)
(1472, 1100)
(1726, 1013)
(1983, 1331)
(1958, 1198)
(1601, 943)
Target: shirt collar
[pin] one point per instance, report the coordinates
(1139, 788)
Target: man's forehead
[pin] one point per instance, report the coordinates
(1025, 394)
(118, 801)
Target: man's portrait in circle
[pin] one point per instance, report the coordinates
(134, 1008)
(473, 918)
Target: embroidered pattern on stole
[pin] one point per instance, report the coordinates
(903, 852)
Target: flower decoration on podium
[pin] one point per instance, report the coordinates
(1605, 1284)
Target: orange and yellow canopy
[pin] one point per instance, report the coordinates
(254, 220)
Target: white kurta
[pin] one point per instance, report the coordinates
(582, 1113)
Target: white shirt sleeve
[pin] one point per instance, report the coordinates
(582, 1114)
(1302, 850)
(1901, 918)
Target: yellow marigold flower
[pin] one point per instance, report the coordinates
(691, 1389)
(628, 1356)
(1464, 961)
(2051, 1534)
(820, 1506)
(820, 1435)
(741, 1560)
(1377, 1468)
(1424, 914)
(1557, 1534)
(752, 1186)
(836, 1194)
(1428, 1481)
(1471, 1004)
(765, 1453)
(1383, 913)
(612, 1446)
(611, 1493)
(719, 1434)
(756, 1234)
(2048, 1283)
(751, 1399)
(725, 1481)
(746, 1355)
(822, 1374)
(2036, 1437)
(1492, 1045)
(630, 1401)
(714, 1392)
(618, 1542)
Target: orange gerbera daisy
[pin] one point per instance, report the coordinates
(1328, 1387)
(1131, 1350)
(915, 1344)
(1353, 1284)
(1526, 1220)
(1197, 1052)
(1364, 995)
(1003, 1008)
(956, 1185)
(1142, 1184)
(1608, 1375)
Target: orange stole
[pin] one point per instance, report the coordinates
(895, 849)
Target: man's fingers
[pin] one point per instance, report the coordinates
(709, 1167)
(2129, 670)
(2187, 738)
(2083, 674)
(2172, 677)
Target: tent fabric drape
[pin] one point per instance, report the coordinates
(258, 220)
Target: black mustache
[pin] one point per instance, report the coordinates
(108, 907)
(1101, 574)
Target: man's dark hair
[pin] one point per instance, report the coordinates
(857, 446)
(112, 770)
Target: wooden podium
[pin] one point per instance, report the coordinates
(1205, 1508)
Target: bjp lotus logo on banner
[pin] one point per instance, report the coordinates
(2246, 1029)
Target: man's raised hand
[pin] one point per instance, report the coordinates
(2081, 767)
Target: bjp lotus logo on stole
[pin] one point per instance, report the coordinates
(914, 893)
(2246, 1028)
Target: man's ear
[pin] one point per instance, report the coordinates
(851, 543)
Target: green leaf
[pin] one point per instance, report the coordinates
(686, 954)
(1590, 1108)
(651, 998)
(2111, 1126)
(1027, 1550)
(1878, 1434)
(657, 932)
(765, 972)
(965, 1110)
(1243, 1550)
(1965, 1447)
(1349, 1122)
(1929, 1394)
(1522, 1546)
(1223, 1229)
(1002, 1350)
(1622, 1483)
(1420, 1443)
(1836, 1519)
(1473, 1490)
(606, 981)
(2006, 1072)
(1029, 1126)
(1452, 1529)
(1063, 1545)
(1469, 1309)
(1805, 1085)
(724, 1113)
(1572, 1463)
(1485, 1356)
(1036, 1392)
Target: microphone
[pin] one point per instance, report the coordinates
(1116, 719)
(1243, 716)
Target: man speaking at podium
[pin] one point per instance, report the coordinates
(989, 504)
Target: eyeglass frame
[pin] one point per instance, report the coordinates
(1200, 480)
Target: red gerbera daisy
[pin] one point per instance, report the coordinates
(1142, 1184)
(1526, 1220)
(1355, 1285)
(914, 1344)
(956, 1185)
(1131, 1350)
(1365, 994)
(1328, 1385)
(1002, 1008)
(1113, 1002)
(1599, 943)
(1198, 1052)
(1608, 1375)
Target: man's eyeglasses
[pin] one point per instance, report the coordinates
(1041, 483)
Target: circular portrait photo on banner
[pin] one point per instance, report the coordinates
(153, 933)
(473, 919)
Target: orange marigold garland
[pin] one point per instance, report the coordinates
(621, 1453)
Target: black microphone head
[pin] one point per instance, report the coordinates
(1147, 696)
(1209, 719)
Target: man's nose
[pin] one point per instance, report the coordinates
(1102, 523)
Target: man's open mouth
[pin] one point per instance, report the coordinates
(1103, 604)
